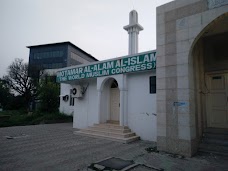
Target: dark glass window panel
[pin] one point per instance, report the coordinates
(152, 84)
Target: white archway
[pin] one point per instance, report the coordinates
(103, 86)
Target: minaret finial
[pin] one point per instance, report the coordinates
(133, 30)
(132, 4)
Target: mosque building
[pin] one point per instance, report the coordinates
(116, 91)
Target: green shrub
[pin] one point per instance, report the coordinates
(49, 97)
(19, 118)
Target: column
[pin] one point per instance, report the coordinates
(99, 106)
(121, 108)
(125, 108)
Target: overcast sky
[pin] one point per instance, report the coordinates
(96, 26)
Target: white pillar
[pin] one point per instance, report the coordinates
(125, 109)
(99, 106)
(121, 108)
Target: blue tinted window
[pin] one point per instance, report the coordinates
(52, 54)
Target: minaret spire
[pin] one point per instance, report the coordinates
(133, 30)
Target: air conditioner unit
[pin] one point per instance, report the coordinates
(76, 91)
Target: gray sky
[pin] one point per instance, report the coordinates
(96, 26)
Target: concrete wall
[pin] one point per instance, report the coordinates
(85, 56)
(142, 117)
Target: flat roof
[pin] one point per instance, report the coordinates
(61, 43)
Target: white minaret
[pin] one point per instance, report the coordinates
(133, 30)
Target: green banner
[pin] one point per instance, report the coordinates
(140, 62)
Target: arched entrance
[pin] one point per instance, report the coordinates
(109, 107)
(210, 69)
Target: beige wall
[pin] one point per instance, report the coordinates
(180, 25)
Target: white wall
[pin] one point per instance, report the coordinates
(85, 110)
(65, 106)
(142, 106)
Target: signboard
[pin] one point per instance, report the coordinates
(140, 62)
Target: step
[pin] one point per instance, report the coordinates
(216, 136)
(213, 152)
(108, 133)
(113, 122)
(111, 126)
(213, 148)
(123, 140)
(107, 125)
(216, 131)
(215, 141)
(118, 130)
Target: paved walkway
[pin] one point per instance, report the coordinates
(55, 147)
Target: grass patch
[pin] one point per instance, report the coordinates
(20, 118)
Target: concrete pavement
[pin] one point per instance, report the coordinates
(55, 147)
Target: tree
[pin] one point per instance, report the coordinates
(19, 81)
(6, 96)
(49, 95)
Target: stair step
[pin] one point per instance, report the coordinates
(215, 141)
(214, 147)
(216, 136)
(107, 125)
(211, 148)
(118, 130)
(217, 131)
(113, 122)
(213, 152)
(108, 133)
(123, 140)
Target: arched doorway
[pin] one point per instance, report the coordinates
(109, 101)
(114, 102)
(210, 70)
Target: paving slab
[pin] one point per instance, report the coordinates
(55, 147)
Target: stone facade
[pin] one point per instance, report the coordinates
(180, 24)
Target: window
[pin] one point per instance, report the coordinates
(52, 54)
(152, 84)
